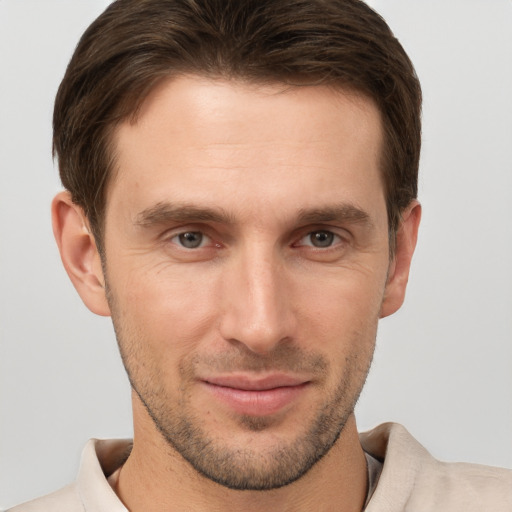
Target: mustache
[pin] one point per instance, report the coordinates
(283, 358)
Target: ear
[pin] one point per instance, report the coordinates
(398, 274)
(79, 253)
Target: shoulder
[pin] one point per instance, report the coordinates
(64, 500)
(476, 485)
(91, 490)
(462, 487)
(415, 481)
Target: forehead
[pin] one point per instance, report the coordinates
(259, 143)
(240, 107)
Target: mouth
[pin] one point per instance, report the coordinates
(261, 396)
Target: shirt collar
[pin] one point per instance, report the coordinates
(93, 487)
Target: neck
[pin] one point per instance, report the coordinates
(156, 478)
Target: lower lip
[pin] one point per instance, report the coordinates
(257, 402)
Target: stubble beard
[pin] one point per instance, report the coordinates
(243, 468)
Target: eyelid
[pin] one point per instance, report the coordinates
(205, 241)
(211, 236)
(336, 240)
(340, 235)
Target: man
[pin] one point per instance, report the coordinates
(241, 198)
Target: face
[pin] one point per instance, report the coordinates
(247, 254)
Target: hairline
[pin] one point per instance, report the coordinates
(132, 115)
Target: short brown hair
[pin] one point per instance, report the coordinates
(136, 43)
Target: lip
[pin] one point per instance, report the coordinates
(256, 396)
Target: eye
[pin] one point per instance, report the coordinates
(190, 239)
(320, 239)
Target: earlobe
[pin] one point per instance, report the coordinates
(399, 268)
(79, 253)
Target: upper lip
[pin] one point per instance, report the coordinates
(255, 383)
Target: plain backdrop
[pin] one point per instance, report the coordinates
(443, 365)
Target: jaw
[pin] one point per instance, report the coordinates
(340, 476)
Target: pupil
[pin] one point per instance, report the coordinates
(322, 239)
(191, 240)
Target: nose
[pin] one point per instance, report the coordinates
(257, 302)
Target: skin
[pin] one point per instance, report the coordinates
(282, 191)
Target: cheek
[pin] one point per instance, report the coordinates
(349, 292)
(166, 307)
(341, 309)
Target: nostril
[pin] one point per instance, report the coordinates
(257, 309)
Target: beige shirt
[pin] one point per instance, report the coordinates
(411, 480)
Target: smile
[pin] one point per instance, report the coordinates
(256, 397)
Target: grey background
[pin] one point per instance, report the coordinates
(443, 363)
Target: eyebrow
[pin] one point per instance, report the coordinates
(344, 212)
(165, 213)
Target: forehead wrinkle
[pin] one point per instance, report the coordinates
(166, 212)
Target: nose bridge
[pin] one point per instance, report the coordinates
(257, 310)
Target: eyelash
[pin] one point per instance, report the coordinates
(333, 239)
(204, 238)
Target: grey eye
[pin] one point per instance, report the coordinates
(321, 238)
(191, 239)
